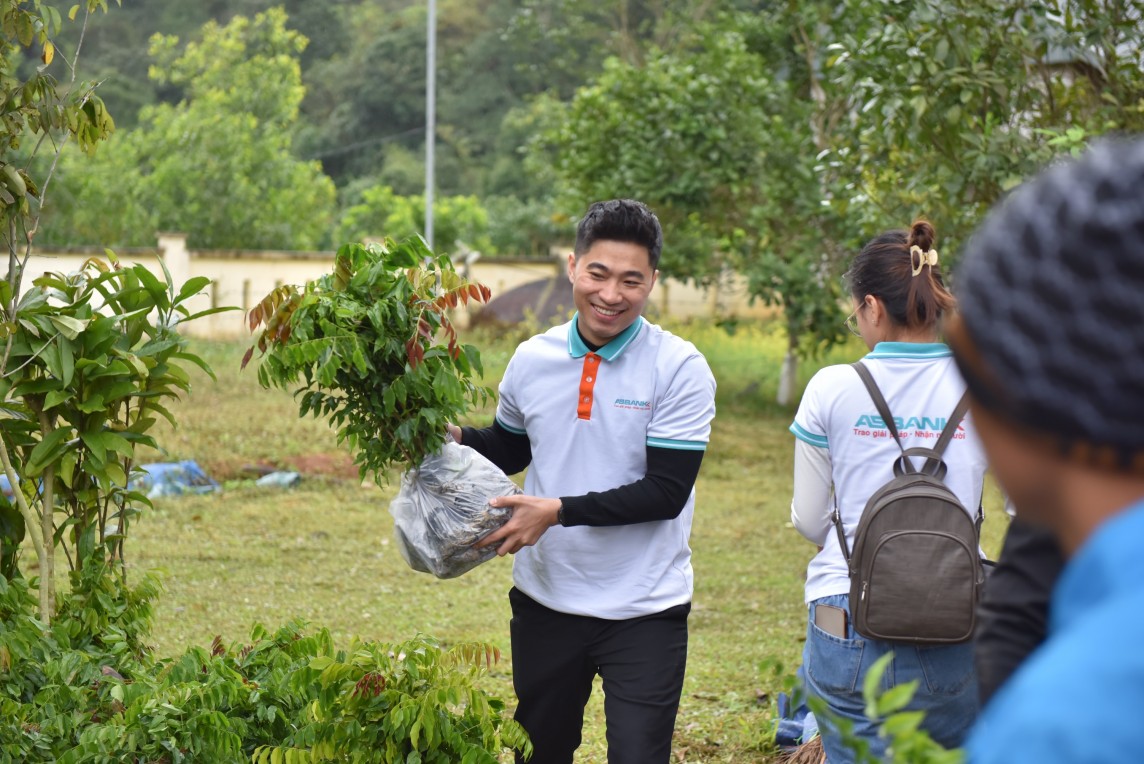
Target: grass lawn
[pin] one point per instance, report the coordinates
(323, 551)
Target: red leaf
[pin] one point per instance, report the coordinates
(255, 317)
(269, 305)
(413, 352)
(246, 358)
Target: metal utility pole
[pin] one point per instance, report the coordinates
(430, 117)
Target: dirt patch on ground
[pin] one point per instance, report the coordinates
(337, 465)
(332, 465)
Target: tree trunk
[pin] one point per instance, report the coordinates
(48, 531)
(788, 375)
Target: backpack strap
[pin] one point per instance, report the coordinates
(931, 455)
(951, 425)
(836, 518)
(879, 400)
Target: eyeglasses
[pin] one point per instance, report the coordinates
(852, 322)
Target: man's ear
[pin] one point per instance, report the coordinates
(571, 266)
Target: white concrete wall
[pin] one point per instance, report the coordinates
(243, 277)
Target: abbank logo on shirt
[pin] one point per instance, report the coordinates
(872, 425)
(632, 404)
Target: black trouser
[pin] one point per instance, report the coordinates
(556, 656)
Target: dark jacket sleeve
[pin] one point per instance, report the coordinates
(1012, 616)
(660, 495)
(509, 451)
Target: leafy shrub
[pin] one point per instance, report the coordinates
(909, 743)
(371, 348)
(283, 696)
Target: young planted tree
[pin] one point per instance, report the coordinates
(87, 358)
(371, 348)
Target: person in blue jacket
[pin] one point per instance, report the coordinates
(1050, 340)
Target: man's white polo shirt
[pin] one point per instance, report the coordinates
(589, 418)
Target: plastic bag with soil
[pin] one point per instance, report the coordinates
(442, 510)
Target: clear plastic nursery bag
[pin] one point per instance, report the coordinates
(442, 510)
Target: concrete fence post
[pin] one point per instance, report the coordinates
(173, 250)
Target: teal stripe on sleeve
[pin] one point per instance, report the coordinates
(513, 430)
(802, 434)
(678, 445)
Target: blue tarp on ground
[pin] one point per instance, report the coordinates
(161, 479)
(797, 724)
(174, 479)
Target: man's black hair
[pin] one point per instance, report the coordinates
(624, 220)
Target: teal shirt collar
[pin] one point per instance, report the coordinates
(609, 352)
(910, 350)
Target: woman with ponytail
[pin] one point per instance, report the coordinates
(844, 452)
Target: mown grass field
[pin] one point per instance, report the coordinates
(323, 551)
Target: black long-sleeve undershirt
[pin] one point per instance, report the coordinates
(660, 494)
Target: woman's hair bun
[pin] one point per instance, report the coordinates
(922, 235)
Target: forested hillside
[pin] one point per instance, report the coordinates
(363, 113)
(771, 136)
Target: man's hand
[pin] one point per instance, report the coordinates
(531, 517)
(454, 431)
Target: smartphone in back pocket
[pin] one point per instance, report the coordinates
(831, 619)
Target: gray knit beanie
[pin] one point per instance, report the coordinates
(1051, 293)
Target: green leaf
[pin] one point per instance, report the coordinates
(115, 473)
(68, 326)
(871, 682)
(192, 287)
(92, 403)
(155, 288)
(56, 397)
(896, 698)
(67, 363)
(197, 361)
(903, 723)
(47, 451)
(210, 312)
(152, 405)
(66, 468)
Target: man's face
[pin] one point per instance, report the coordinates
(610, 286)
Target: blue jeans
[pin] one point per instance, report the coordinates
(834, 669)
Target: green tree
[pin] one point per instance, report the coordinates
(38, 109)
(88, 357)
(955, 101)
(218, 164)
(724, 152)
(381, 214)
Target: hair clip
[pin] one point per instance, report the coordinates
(922, 259)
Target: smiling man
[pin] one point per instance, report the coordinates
(612, 415)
